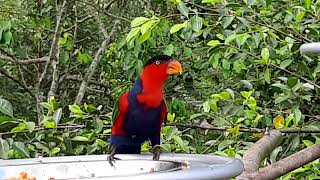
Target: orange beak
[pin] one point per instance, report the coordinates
(174, 67)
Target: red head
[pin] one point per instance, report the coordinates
(154, 74)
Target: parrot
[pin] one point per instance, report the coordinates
(141, 111)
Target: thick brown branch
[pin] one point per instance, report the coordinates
(288, 164)
(259, 151)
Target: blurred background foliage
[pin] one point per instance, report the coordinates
(242, 69)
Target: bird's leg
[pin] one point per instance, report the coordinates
(156, 152)
(112, 152)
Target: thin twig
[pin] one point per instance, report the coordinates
(2, 71)
(298, 76)
(250, 130)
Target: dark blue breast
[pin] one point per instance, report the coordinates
(140, 120)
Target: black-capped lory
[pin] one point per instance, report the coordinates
(141, 112)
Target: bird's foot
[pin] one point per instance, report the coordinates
(156, 152)
(112, 159)
(112, 152)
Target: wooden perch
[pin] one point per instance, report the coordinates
(263, 148)
(289, 163)
(258, 152)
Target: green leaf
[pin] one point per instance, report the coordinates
(4, 149)
(138, 21)
(21, 127)
(30, 126)
(247, 84)
(226, 21)
(220, 36)
(282, 98)
(147, 26)
(97, 124)
(265, 54)
(208, 1)
(57, 115)
(243, 38)
(225, 95)
(285, 63)
(292, 81)
(21, 149)
(225, 64)
(231, 92)
(307, 143)
(196, 23)
(177, 27)
(75, 109)
(275, 153)
(144, 37)
(234, 131)
(179, 141)
(7, 36)
(230, 39)
(47, 106)
(133, 33)
(80, 138)
(183, 9)
(6, 107)
(213, 105)
(55, 151)
(172, 131)
(214, 60)
(297, 113)
(252, 103)
(295, 143)
(224, 144)
(206, 107)
(238, 66)
(213, 43)
(187, 51)
(170, 117)
(246, 94)
(300, 16)
(267, 75)
(49, 124)
(281, 86)
(308, 3)
(169, 50)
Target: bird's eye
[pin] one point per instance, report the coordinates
(157, 62)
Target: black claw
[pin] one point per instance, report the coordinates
(112, 152)
(156, 152)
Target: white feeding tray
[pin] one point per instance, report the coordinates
(170, 166)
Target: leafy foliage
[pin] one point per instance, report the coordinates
(242, 68)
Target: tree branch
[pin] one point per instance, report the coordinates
(24, 62)
(288, 164)
(76, 78)
(52, 56)
(254, 155)
(97, 58)
(249, 130)
(2, 71)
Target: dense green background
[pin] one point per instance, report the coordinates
(241, 60)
